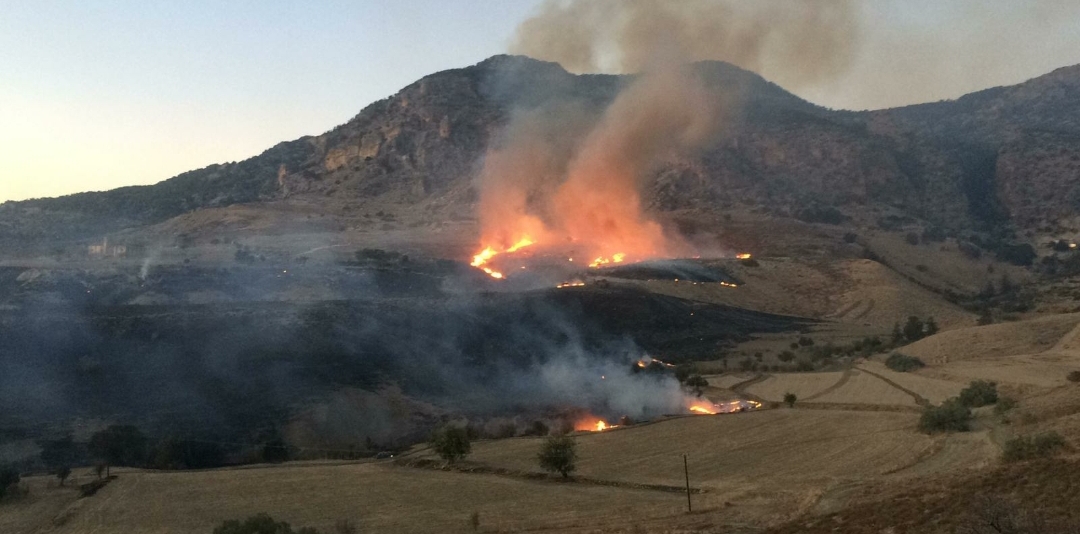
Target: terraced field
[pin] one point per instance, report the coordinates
(376, 497)
(804, 385)
(933, 390)
(864, 388)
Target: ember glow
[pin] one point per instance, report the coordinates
(575, 283)
(744, 256)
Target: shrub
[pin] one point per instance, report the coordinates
(804, 366)
(1005, 405)
(1074, 376)
(1029, 448)
(805, 341)
(8, 477)
(451, 443)
(789, 399)
(558, 454)
(979, 393)
(259, 524)
(786, 356)
(914, 329)
(951, 416)
(902, 363)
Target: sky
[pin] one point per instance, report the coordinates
(101, 94)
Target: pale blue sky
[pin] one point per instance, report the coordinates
(103, 93)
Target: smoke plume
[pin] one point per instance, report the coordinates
(795, 43)
(586, 198)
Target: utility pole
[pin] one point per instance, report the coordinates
(686, 470)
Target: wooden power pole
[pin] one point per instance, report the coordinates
(686, 471)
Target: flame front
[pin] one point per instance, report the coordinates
(615, 258)
(482, 259)
(703, 408)
(592, 423)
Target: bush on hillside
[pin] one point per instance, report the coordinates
(979, 393)
(260, 524)
(1073, 376)
(790, 399)
(951, 416)
(1029, 448)
(903, 363)
(451, 443)
(558, 454)
(1005, 405)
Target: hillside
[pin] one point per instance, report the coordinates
(978, 163)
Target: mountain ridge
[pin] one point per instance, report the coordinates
(962, 164)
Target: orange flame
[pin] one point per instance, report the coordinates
(615, 258)
(482, 258)
(592, 424)
(702, 407)
(744, 256)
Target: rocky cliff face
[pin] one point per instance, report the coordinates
(1005, 155)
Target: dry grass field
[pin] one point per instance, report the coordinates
(863, 388)
(932, 389)
(376, 497)
(1006, 339)
(803, 385)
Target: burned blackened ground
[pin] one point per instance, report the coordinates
(239, 368)
(680, 270)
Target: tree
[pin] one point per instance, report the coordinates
(789, 399)
(451, 443)
(8, 477)
(698, 383)
(63, 473)
(913, 329)
(474, 521)
(558, 454)
(897, 335)
(931, 327)
(119, 445)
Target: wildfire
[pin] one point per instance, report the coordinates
(744, 256)
(481, 260)
(728, 284)
(647, 360)
(575, 283)
(616, 258)
(593, 425)
(702, 407)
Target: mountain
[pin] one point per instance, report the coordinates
(997, 160)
